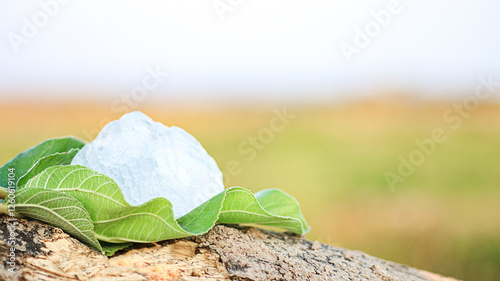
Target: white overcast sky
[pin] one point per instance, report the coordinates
(262, 47)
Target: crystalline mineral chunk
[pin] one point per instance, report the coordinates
(148, 159)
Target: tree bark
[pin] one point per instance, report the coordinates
(43, 252)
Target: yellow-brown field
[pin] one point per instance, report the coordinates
(444, 217)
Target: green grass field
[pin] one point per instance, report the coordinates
(445, 217)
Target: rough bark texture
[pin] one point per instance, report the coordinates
(44, 252)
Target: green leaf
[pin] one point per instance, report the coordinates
(272, 207)
(25, 161)
(111, 248)
(279, 203)
(56, 159)
(116, 221)
(57, 209)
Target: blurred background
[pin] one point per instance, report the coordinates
(381, 117)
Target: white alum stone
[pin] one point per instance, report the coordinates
(148, 159)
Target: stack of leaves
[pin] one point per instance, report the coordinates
(91, 207)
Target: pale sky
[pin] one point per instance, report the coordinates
(278, 48)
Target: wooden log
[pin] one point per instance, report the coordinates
(43, 252)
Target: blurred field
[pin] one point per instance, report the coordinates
(444, 218)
